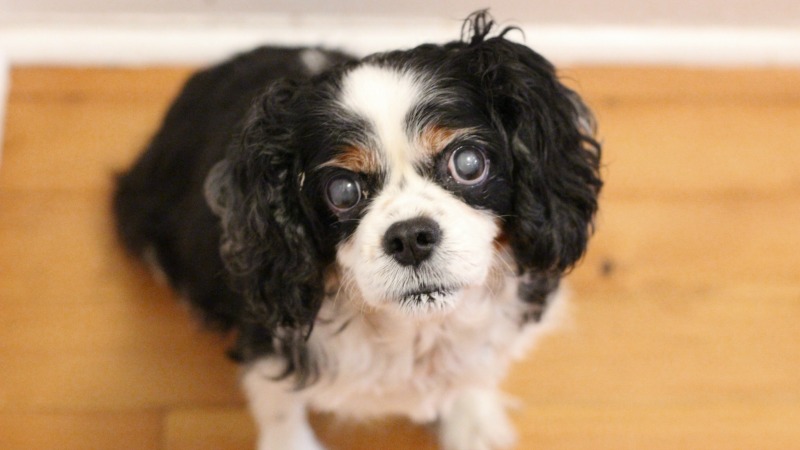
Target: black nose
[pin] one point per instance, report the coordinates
(412, 241)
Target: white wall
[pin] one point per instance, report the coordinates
(746, 13)
(696, 32)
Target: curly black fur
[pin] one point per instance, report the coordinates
(267, 243)
(249, 131)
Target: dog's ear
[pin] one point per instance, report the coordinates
(549, 132)
(266, 245)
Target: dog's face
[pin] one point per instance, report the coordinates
(415, 193)
(413, 175)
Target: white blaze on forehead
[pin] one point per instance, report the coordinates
(384, 97)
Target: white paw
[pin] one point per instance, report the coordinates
(303, 439)
(477, 421)
(308, 441)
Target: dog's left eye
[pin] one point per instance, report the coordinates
(468, 165)
(343, 192)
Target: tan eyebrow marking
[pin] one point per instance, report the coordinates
(434, 139)
(355, 159)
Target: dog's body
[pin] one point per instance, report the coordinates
(383, 235)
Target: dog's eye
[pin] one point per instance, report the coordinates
(468, 165)
(343, 192)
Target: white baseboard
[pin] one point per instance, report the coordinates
(149, 40)
(5, 80)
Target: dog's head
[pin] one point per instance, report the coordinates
(410, 175)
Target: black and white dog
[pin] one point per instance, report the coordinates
(383, 235)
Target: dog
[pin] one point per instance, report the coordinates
(383, 235)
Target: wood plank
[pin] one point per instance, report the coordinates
(685, 84)
(666, 369)
(104, 118)
(232, 428)
(690, 149)
(707, 427)
(96, 84)
(209, 429)
(701, 243)
(74, 307)
(669, 347)
(70, 431)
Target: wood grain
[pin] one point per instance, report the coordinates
(684, 312)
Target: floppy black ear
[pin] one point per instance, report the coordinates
(266, 243)
(556, 159)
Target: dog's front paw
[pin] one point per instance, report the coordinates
(477, 421)
(303, 439)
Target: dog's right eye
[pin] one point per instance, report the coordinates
(468, 165)
(343, 192)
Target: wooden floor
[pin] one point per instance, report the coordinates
(686, 325)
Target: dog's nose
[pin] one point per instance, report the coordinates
(412, 241)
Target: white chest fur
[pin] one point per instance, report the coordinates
(376, 362)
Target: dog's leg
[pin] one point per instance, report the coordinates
(279, 410)
(477, 421)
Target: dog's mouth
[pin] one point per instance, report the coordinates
(427, 295)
